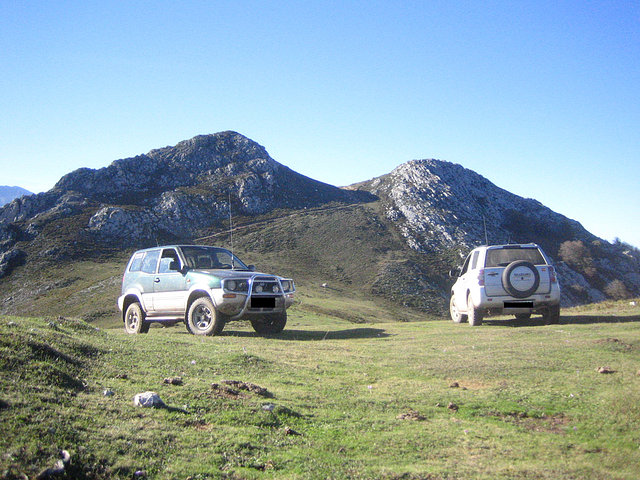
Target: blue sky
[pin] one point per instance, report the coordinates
(541, 97)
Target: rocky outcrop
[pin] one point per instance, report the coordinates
(439, 204)
(9, 260)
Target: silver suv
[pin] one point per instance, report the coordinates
(205, 287)
(505, 279)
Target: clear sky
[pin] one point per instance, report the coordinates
(541, 97)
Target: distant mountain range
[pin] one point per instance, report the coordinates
(8, 194)
(393, 237)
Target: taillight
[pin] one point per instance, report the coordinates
(481, 278)
(552, 275)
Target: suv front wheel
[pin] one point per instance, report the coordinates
(203, 319)
(270, 324)
(456, 316)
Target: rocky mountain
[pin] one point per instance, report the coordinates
(392, 237)
(8, 193)
(440, 205)
(170, 192)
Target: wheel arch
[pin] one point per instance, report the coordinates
(128, 300)
(193, 296)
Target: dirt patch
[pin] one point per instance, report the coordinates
(236, 389)
(249, 387)
(411, 414)
(615, 344)
(199, 425)
(548, 424)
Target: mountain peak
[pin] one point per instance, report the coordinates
(440, 204)
(175, 191)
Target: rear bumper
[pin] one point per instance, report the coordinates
(538, 303)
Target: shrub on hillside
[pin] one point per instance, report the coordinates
(577, 255)
(617, 290)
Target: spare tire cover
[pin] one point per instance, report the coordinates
(521, 279)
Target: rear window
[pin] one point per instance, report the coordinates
(136, 263)
(501, 257)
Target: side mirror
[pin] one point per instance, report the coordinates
(455, 272)
(174, 266)
(184, 269)
(252, 268)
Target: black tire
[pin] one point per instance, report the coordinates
(552, 315)
(203, 319)
(474, 315)
(270, 324)
(523, 316)
(456, 316)
(507, 281)
(134, 320)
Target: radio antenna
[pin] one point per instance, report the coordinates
(233, 266)
(486, 237)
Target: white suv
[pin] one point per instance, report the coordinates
(205, 287)
(505, 279)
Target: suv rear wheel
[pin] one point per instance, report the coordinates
(134, 319)
(474, 315)
(203, 319)
(552, 315)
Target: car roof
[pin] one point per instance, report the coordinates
(159, 247)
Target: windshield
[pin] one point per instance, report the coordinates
(211, 258)
(501, 257)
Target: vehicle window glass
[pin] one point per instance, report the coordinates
(474, 260)
(465, 267)
(136, 263)
(501, 257)
(169, 256)
(211, 257)
(150, 261)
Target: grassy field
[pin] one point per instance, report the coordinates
(390, 400)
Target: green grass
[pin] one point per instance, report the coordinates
(529, 402)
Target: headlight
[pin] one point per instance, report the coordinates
(236, 285)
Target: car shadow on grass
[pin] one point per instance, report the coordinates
(314, 335)
(564, 320)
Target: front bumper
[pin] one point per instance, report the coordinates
(238, 306)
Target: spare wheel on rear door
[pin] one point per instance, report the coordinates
(521, 279)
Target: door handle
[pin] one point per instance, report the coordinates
(156, 280)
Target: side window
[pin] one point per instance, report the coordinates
(150, 261)
(474, 260)
(465, 267)
(136, 263)
(169, 259)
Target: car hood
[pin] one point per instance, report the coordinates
(225, 273)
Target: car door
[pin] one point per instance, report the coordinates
(462, 284)
(147, 276)
(169, 287)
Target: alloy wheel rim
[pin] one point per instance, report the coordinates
(202, 317)
(132, 321)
